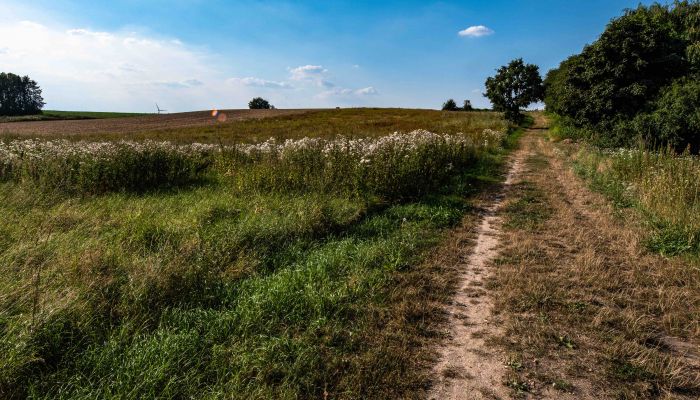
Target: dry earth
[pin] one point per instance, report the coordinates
(144, 123)
(559, 299)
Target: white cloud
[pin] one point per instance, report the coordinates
(476, 31)
(94, 69)
(113, 70)
(257, 82)
(345, 92)
(368, 91)
(307, 72)
(315, 74)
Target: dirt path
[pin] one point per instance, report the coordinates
(468, 368)
(560, 299)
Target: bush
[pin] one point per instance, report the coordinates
(615, 85)
(675, 120)
(258, 103)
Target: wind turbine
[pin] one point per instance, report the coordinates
(160, 110)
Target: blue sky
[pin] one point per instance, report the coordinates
(190, 55)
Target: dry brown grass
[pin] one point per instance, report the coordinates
(588, 312)
(258, 125)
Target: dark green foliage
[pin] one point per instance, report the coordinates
(258, 103)
(19, 95)
(514, 87)
(624, 73)
(675, 120)
(450, 105)
(467, 106)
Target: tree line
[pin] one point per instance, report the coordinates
(19, 95)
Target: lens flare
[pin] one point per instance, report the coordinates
(214, 112)
(221, 117)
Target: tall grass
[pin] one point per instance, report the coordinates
(93, 168)
(397, 165)
(393, 166)
(274, 278)
(664, 184)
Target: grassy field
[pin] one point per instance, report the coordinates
(295, 124)
(663, 186)
(276, 270)
(51, 115)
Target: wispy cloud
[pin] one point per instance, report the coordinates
(368, 91)
(345, 92)
(307, 72)
(257, 82)
(111, 70)
(476, 31)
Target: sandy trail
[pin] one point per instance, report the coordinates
(468, 367)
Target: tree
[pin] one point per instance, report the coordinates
(515, 86)
(467, 105)
(258, 103)
(449, 105)
(636, 81)
(615, 77)
(19, 95)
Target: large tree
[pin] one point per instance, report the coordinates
(515, 86)
(19, 95)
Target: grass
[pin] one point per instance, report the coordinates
(52, 115)
(586, 308)
(664, 188)
(226, 290)
(327, 124)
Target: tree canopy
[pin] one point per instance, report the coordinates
(258, 103)
(515, 86)
(449, 105)
(615, 84)
(19, 95)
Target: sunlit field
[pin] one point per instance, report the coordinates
(281, 268)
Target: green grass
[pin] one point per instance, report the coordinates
(529, 210)
(214, 290)
(662, 185)
(88, 114)
(50, 115)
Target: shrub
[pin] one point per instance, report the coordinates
(258, 103)
(615, 85)
(675, 120)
